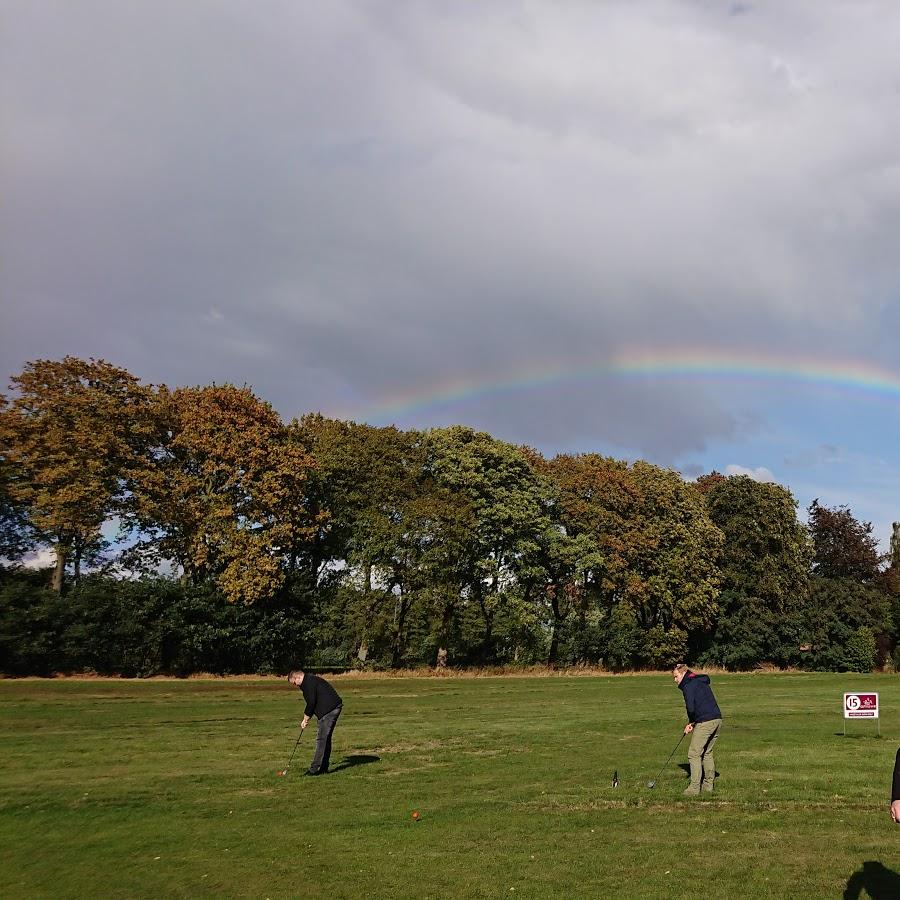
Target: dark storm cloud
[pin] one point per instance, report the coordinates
(337, 201)
(658, 424)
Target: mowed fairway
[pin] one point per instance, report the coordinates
(170, 789)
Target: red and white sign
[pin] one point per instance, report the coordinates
(860, 706)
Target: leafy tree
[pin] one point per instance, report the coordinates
(675, 560)
(659, 548)
(859, 654)
(839, 619)
(584, 553)
(706, 483)
(16, 535)
(842, 546)
(373, 482)
(853, 591)
(73, 435)
(624, 638)
(559, 574)
(494, 512)
(765, 563)
(563, 567)
(226, 495)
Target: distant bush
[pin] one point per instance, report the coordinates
(32, 622)
(158, 626)
(144, 628)
(859, 654)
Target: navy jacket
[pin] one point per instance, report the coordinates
(698, 698)
(321, 698)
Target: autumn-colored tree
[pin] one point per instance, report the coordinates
(73, 435)
(706, 483)
(596, 496)
(843, 547)
(659, 548)
(226, 496)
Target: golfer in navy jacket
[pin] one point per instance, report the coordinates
(322, 701)
(704, 720)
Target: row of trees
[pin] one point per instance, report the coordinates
(405, 547)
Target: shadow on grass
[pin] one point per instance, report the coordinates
(858, 737)
(875, 880)
(359, 759)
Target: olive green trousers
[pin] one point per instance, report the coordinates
(700, 755)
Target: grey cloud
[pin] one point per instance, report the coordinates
(660, 425)
(336, 201)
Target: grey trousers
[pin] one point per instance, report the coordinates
(319, 764)
(700, 755)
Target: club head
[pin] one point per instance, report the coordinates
(651, 784)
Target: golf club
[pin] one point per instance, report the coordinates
(652, 784)
(284, 771)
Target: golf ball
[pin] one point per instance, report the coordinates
(416, 816)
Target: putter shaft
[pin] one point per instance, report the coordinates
(652, 784)
(297, 744)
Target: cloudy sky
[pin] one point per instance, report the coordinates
(661, 229)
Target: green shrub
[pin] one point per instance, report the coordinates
(859, 654)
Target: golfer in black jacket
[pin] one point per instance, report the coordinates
(895, 791)
(323, 702)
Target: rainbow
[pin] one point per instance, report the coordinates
(700, 364)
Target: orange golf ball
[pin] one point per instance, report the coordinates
(416, 815)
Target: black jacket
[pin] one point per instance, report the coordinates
(321, 698)
(698, 698)
(895, 791)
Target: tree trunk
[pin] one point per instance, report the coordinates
(446, 619)
(553, 655)
(488, 639)
(363, 651)
(487, 647)
(400, 621)
(292, 555)
(76, 564)
(60, 570)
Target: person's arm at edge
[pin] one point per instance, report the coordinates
(689, 708)
(895, 791)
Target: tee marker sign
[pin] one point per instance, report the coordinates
(861, 706)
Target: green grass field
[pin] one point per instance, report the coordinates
(170, 789)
